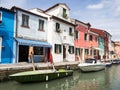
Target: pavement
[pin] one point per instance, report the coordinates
(25, 65)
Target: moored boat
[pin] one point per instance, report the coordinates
(91, 65)
(116, 61)
(40, 75)
(108, 64)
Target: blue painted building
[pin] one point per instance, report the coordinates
(6, 36)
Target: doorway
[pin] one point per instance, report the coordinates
(23, 53)
(64, 52)
(0, 48)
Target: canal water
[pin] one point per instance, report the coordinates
(108, 79)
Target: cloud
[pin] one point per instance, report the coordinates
(95, 6)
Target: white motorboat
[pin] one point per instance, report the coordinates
(91, 65)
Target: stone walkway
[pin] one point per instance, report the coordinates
(30, 65)
(7, 69)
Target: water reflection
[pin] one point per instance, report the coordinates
(108, 79)
(90, 81)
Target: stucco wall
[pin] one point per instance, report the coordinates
(33, 31)
(7, 32)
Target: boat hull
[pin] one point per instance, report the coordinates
(91, 67)
(38, 76)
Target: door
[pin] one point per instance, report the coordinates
(23, 53)
(64, 52)
(0, 48)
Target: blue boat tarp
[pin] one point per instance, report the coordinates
(32, 43)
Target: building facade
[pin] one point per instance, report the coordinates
(31, 36)
(7, 53)
(61, 33)
(86, 42)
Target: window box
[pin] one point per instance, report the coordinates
(71, 34)
(58, 30)
(65, 16)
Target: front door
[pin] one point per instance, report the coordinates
(64, 52)
(0, 48)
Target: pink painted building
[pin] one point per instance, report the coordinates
(86, 41)
(117, 49)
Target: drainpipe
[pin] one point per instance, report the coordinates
(16, 34)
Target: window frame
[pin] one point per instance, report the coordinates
(71, 49)
(57, 48)
(77, 51)
(96, 38)
(57, 27)
(40, 49)
(86, 51)
(76, 34)
(90, 37)
(0, 16)
(25, 20)
(85, 36)
(41, 25)
(70, 31)
(64, 13)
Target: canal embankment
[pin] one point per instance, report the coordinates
(7, 69)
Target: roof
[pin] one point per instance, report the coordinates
(100, 31)
(88, 24)
(14, 8)
(56, 6)
(9, 10)
(57, 18)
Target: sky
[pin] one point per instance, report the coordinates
(101, 14)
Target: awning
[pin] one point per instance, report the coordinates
(32, 43)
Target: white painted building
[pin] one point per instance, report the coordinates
(60, 33)
(31, 36)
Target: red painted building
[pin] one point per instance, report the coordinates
(85, 41)
(105, 35)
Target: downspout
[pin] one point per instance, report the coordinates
(16, 34)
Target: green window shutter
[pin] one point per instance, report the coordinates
(73, 49)
(64, 12)
(60, 48)
(55, 48)
(76, 34)
(79, 51)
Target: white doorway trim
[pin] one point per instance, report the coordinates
(0, 48)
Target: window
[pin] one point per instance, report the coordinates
(25, 20)
(77, 51)
(41, 25)
(58, 27)
(95, 52)
(90, 38)
(58, 48)
(71, 49)
(85, 36)
(38, 51)
(96, 39)
(91, 51)
(0, 17)
(70, 31)
(64, 13)
(76, 34)
(86, 52)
